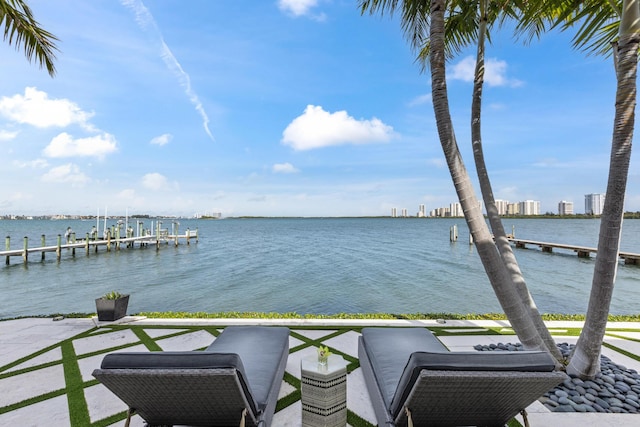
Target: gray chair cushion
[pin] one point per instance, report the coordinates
(172, 360)
(520, 361)
(390, 348)
(182, 360)
(261, 348)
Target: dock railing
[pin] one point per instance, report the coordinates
(91, 241)
(581, 251)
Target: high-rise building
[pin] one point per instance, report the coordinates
(593, 203)
(455, 209)
(513, 209)
(422, 211)
(501, 206)
(440, 212)
(565, 208)
(405, 214)
(394, 212)
(529, 207)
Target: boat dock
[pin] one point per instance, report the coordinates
(582, 251)
(92, 243)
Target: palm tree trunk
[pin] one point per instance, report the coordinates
(500, 237)
(585, 361)
(499, 277)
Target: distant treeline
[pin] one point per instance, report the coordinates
(627, 215)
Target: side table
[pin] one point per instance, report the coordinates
(324, 392)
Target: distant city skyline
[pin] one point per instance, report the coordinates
(593, 206)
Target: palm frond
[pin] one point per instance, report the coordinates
(21, 29)
(596, 22)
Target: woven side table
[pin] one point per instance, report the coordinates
(324, 392)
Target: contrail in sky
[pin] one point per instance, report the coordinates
(147, 23)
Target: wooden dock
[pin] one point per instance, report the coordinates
(582, 251)
(89, 244)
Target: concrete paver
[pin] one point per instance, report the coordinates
(51, 413)
(24, 386)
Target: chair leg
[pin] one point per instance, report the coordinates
(409, 419)
(130, 413)
(524, 417)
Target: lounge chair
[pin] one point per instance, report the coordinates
(414, 380)
(234, 382)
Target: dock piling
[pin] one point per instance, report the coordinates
(42, 241)
(453, 233)
(25, 254)
(158, 224)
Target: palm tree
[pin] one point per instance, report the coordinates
(604, 27)
(459, 29)
(21, 28)
(598, 23)
(490, 12)
(494, 267)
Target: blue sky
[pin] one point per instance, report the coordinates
(284, 108)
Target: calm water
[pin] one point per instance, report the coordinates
(309, 266)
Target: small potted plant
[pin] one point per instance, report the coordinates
(323, 355)
(112, 306)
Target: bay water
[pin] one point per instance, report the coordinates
(309, 266)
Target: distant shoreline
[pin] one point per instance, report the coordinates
(627, 215)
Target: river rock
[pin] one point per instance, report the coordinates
(615, 388)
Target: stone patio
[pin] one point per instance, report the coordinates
(40, 379)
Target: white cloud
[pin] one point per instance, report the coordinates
(419, 100)
(495, 72)
(509, 193)
(5, 135)
(34, 164)
(297, 7)
(438, 162)
(127, 194)
(284, 168)
(158, 182)
(464, 70)
(145, 20)
(317, 128)
(36, 109)
(548, 162)
(66, 174)
(64, 145)
(161, 140)
(13, 198)
(154, 181)
(20, 196)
